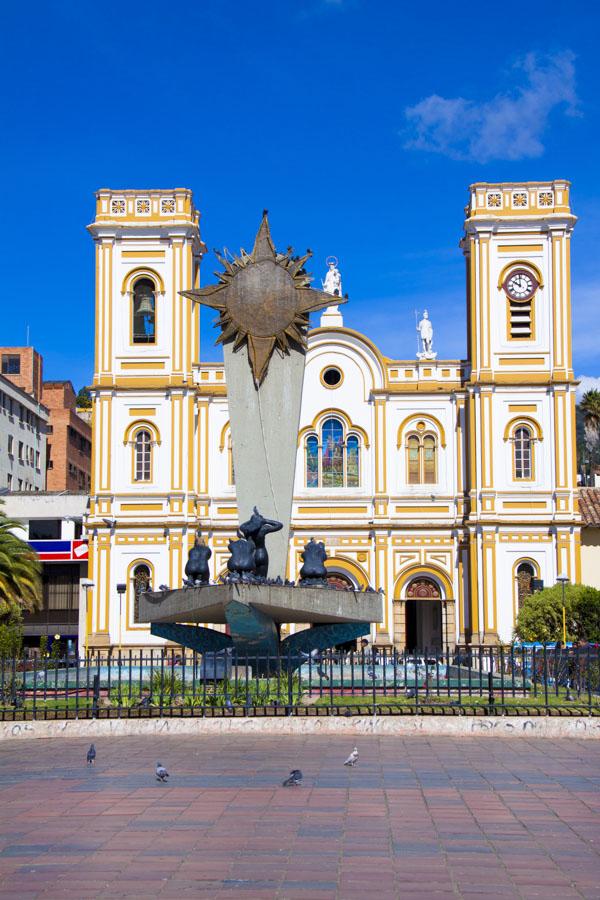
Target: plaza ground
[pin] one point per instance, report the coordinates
(418, 817)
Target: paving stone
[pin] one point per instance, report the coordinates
(418, 817)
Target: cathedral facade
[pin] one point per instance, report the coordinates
(450, 484)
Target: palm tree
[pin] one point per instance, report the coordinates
(20, 573)
(590, 407)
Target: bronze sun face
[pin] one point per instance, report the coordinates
(264, 299)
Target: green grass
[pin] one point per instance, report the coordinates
(555, 702)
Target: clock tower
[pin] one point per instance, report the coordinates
(520, 394)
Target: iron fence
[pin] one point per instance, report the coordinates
(476, 680)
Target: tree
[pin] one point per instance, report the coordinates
(540, 616)
(590, 407)
(84, 398)
(20, 574)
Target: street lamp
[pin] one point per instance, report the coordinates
(121, 589)
(563, 580)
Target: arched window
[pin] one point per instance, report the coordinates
(525, 576)
(141, 582)
(421, 459)
(142, 456)
(523, 454)
(334, 460)
(144, 312)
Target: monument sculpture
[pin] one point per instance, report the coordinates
(333, 278)
(425, 329)
(264, 299)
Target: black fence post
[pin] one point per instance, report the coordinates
(491, 698)
(95, 695)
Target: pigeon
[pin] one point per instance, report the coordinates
(353, 758)
(228, 703)
(161, 772)
(164, 587)
(372, 674)
(410, 693)
(295, 779)
(91, 755)
(322, 673)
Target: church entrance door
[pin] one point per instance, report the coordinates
(424, 625)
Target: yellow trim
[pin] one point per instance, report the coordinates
(522, 407)
(142, 411)
(331, 387)
(223, 437)
(381, 359)
(140, 507)
(129, 623)
(515, 590)
(141, 272)
(520, 248)
(526, 337)
(523, 420)
(332, 510)
(425, 417)
(524, 264)
(142, 365)
(352, 568)
(522, 360)
(142, 254)
(227, 510)
(417, 569)
(422, 509)
(136, 426)
(524, 504)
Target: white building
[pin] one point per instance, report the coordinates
(23, 422)
(448, 483)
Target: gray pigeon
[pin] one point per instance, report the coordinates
(321, 673)
(91, 755)
(228, 703)
(410, 693)
(294, 780)
(161, 772)
(353, 758)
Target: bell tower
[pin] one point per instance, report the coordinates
(148, 250)
(520, 394)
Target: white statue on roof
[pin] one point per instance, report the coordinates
(332, 284)
(333, 279)
(425, 329)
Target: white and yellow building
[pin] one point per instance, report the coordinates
(448, 483)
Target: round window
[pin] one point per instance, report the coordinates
(332, 377)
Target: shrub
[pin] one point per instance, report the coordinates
(540, 616)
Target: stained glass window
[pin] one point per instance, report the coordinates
(312, 461)
(352, 473)
(429, 459)
(421, 451)
(332, 461)
(414, 475)
(332, 453)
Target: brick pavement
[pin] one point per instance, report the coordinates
(418, 817)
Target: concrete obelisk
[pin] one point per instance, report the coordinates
(264, 299)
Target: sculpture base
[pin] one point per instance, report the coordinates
(254, 613)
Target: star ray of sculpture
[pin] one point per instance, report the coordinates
(266, 320)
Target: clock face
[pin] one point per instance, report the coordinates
(520, 285)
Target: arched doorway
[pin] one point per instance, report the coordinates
(424, 620)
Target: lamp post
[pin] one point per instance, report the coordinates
(563, 580)
(121, 589)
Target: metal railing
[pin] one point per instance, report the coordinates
(511, 680)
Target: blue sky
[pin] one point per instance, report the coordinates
(358, 123)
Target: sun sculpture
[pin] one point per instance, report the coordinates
(264, 299)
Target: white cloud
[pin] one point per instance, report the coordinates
(509, 126)
(587, 383)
